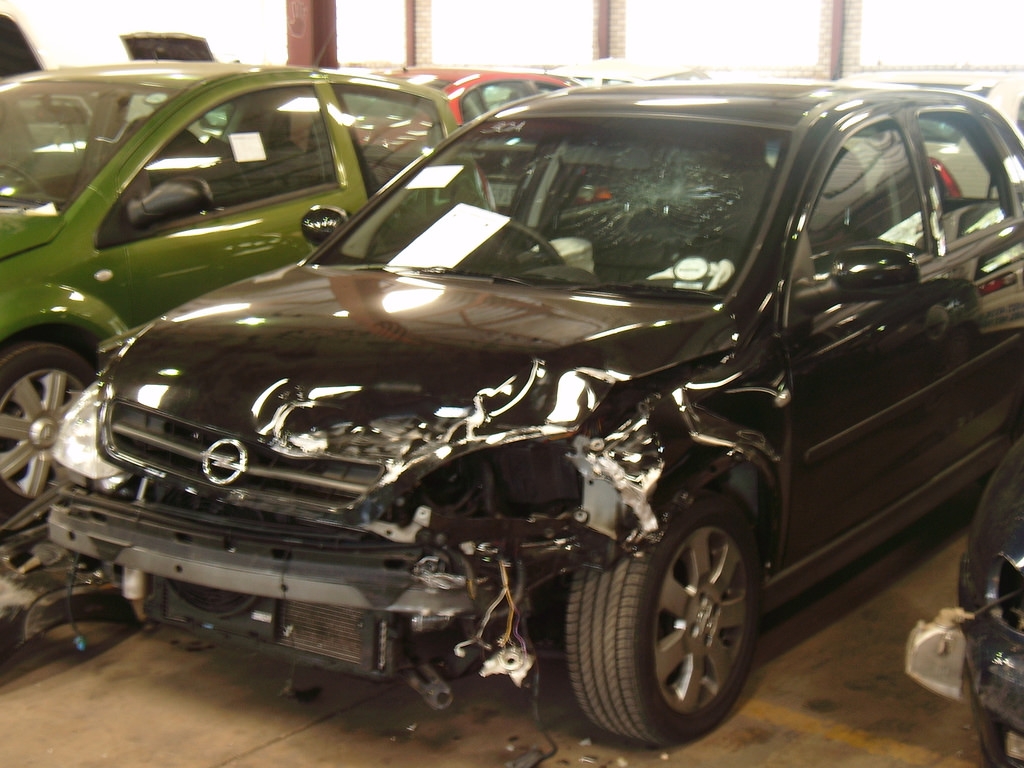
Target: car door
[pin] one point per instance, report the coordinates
(886, 393)
(978, 186)
(224, 198)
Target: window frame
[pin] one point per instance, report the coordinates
(116, 228)
(892, 125)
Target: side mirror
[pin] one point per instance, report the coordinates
(175, 197)
(863, 272)
(320, 221)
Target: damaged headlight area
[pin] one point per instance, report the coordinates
(533, 490)
(77, 448)
(978, 652)
(995, 662)
(620, 472)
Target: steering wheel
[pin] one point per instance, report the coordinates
(545, 256)
(32, 182)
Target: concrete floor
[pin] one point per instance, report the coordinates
(828, 689)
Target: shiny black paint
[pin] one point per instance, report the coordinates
(995, 644)
(833, 416)
(327, 327)
(917, 383)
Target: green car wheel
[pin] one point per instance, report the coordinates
(38, 383)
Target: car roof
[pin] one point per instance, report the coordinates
(181, 75)
(783, 103)
(164, 73)
(445, 76)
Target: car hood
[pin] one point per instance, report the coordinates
(20, 231)
(162, 46)
(297, 352)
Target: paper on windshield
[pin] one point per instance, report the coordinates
(247, 147)
(451, 238)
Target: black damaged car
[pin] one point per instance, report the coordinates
(678, 351)
(992, 589)
(975, 651)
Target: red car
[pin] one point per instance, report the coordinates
(471, 92)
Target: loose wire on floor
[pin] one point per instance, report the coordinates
(79, 641)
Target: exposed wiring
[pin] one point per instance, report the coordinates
(534, 756)
(535, 706)
(998, 601)
(512, 612)
(478, 637)
(79, 641)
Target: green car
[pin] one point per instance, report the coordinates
(126, 190)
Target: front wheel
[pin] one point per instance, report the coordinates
(659, 647)
(38, 383)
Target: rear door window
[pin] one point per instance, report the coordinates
(389, 129)
(974, 190)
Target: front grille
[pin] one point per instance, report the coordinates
(148, 439)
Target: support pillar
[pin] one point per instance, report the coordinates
(312, 33)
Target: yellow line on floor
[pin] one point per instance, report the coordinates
(861, 740)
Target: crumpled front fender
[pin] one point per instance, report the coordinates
(35, 595)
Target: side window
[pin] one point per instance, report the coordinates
(974, 192)
(543, 87)
(497, 94)
(472, 104)
(869, 195)
(488, 96)
(254, 147)
(389, 129)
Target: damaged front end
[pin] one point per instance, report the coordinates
(400, 547)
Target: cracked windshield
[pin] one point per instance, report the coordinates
(660, 204)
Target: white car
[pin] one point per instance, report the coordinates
(19, 52)
(619, 71)
(1003, 89)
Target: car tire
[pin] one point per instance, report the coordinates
(659, 647)
(38, 383)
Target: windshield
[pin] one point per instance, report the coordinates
(55, 136)
(645, 202)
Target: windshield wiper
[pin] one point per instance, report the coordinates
(645, 289)
(449, 272)
(22, 202)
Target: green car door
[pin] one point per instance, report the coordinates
(224, 198)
